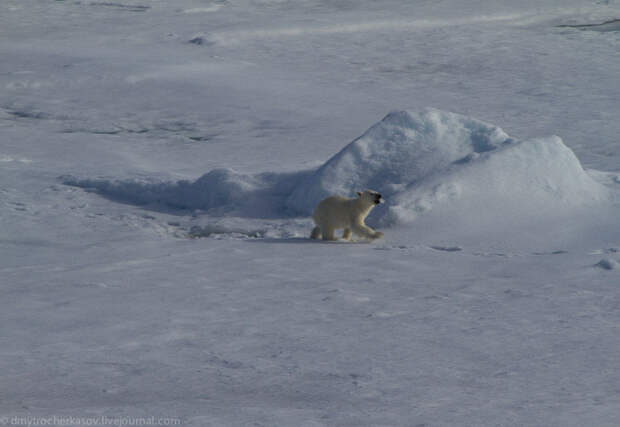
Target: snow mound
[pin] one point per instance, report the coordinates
(402, 149)
(441, 161)
(539, 177)
(428, 161)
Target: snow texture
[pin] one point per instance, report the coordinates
(172, 276)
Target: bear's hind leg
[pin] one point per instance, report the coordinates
(346, 234)
(316, 233)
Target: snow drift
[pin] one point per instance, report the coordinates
(220, 192)
(427, 161)
(449, 162)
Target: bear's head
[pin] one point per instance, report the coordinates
(370, 196)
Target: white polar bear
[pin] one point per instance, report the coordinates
(337, 212)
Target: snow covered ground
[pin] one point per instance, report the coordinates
(159, 161)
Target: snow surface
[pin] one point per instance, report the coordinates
(159, 161)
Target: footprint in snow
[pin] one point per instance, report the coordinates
(559, 252)
(607, 264)
(447, 248)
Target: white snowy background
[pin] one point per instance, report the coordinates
(159, 161)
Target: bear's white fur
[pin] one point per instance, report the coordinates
(337, 212)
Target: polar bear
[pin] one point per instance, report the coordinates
(337, 212)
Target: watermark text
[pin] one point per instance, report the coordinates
(61, 420)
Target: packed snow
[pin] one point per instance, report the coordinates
(160, 161)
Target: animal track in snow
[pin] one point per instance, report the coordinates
(447, 248)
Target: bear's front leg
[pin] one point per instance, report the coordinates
(365, 231)
(346, 234)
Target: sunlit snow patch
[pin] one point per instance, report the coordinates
(207, 9)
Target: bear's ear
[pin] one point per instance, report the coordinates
(359, 194)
